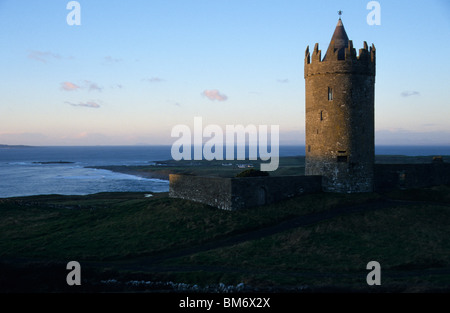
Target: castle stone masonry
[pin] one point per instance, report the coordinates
(339, 103)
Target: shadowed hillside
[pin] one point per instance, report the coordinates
(309, 243)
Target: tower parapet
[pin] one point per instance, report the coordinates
(350, 63)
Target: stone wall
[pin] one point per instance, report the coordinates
(256, 191)
(245, 192)
(240, 193)
(214, 191)
(404, 176)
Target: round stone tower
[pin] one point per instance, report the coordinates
(340, 121)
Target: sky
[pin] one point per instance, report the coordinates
(133, 70)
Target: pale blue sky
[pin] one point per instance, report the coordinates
(134, 69)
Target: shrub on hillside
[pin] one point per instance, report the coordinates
(252, 173)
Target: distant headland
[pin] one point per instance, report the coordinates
(14, 146)
(54, 162)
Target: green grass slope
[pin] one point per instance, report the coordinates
(319, 241)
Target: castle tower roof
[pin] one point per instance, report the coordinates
(339, 42)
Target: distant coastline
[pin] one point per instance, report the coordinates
(54, 162)
(285, 150)
(14, 146)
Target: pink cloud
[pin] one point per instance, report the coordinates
(214, 95)
(68, 86)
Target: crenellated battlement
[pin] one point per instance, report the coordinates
(347, 62)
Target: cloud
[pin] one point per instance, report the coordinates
(283, 81)
(153, 80)
(115, 86)
(42, 56)
(214, 95)
(410, 93)
(110, 59)
(68, 86)
(88, 104)
(92, 86)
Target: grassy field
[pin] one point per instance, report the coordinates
(312, 242)
(287, 166)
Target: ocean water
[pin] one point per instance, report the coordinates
(43, 170)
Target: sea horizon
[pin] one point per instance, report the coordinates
(422, 149)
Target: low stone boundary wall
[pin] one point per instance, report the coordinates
(239, 193)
